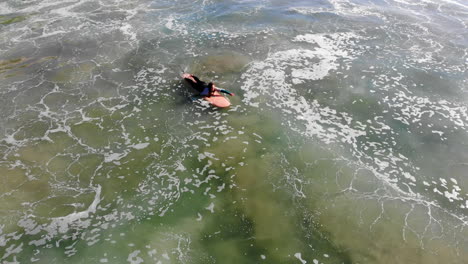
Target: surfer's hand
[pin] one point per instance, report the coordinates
(231, 94)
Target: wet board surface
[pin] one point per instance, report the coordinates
(218, 100)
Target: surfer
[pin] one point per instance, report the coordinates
(204, 89)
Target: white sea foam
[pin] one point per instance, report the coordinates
(133, 257)
(62, 224)
(173, 24)
(342, 7)
(128, 30)
(110, 157)
(5, 9)
(327, 53)
(210, 208)
(299, 257)
(305, 64)
(140, 145)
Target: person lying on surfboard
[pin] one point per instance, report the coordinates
(205, 90)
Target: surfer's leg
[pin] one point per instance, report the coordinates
(197, 79)
(190, 81)
(196, 83)
(193, 84)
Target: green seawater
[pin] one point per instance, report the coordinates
(345, 142)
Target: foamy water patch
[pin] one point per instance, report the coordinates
(303, 64)
(151, 81)
(273, 83)
(63, 224)
(175, 24)
(342, 8)
(412, 109)
(128, 30)
(59, 226)
(373, 143)
(5, 9)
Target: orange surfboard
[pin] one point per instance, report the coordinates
(218, 100)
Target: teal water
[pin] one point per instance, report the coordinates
(346, 141)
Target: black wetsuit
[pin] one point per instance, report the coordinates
(200, 85)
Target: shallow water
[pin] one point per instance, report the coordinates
(346, 141)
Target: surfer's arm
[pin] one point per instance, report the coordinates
(225, 91)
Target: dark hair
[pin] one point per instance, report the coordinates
(211, 88)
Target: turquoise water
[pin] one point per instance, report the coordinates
(346, 141)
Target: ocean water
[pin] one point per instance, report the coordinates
(346, 141)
